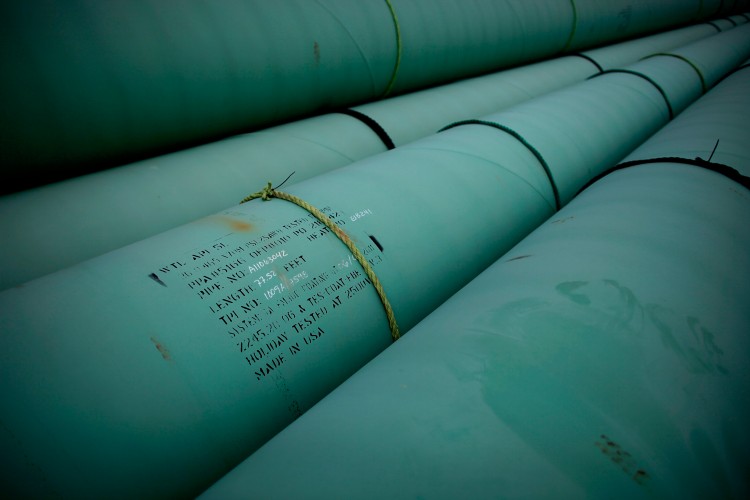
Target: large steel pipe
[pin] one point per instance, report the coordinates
(88, 85)
(605, 356)
(152, 369)
(93, 214)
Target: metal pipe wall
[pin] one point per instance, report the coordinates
(152, 369)
(91, 215)
(88, 86)
(605, 356)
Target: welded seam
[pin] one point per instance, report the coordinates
(399, 49)
(354, 41)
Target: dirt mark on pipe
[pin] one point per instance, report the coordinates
(162, 349)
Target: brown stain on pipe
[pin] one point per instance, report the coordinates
(236, 225)
(162, 349)
(622, 458)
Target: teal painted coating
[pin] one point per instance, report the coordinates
(732, 45)
(151, 370)
(87, 87)
(636, 49)
(605, 356)
(713, 118)
(94, 214)
(596, 22)
(582, 121)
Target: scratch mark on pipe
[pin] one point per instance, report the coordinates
(518, 258)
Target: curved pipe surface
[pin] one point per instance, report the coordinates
(149, 370)
(91, 215)
(607, 353)
(88, 86)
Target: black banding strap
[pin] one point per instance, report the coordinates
(714, 25)
(745, 16)
(735, 70)
(589, 59)
(520, 139)
(731, 21)
(704, 87)
(374, 126)
(648, 79)
(720, 168)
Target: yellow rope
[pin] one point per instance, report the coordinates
(575, 27)
(269, 192)
(389, 88)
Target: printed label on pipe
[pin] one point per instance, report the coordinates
(273, 295)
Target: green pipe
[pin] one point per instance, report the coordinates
(605, 356)
(670, 82)
(151, 370)
(86, 87)
(716, 138)
(91, 215)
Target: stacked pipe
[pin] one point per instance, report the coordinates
(91, 215)
(604, 356)
(88, 85)
(150, 370)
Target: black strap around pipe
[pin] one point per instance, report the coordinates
(374, 126)
(648, 79)
(720, 168)
(520, 139)
(589, 59)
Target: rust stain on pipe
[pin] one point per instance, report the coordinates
(162, 349)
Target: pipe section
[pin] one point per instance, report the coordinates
(607, 353)
(91, 215)
(566, 139)
(88, 86)
(711, 128)
(151, 370)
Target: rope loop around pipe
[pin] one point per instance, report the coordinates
(269, 192)
(399, 49)
(572, 35)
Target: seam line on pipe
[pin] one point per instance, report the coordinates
(714, 25)
(399, 48)
(745, 16)
(269, 192)
(725, 170)
(374, 126)
(731, 21)
(589, 59)
(704, 87)
(648, 79)
(520, 139)
(572, 35)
